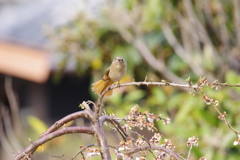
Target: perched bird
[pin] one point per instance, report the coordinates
(114, 73)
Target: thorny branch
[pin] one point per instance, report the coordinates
(48, 137)
(203, 82)
(97, 121)
(197, 88)
(99, 101)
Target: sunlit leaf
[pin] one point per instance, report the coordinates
(36, 124)
(232, 77)
(134, 95)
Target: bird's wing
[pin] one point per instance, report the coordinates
(106, 75)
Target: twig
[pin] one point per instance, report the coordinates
(3, 138)
(189, 152)
(61, 157)
(201, 31)
(82, 149)
(115, 124)
(237, 20)
(222, 26)
(227, 85)
(13, 104)
(99, 101)
(224, 119)
(154, 84)
(156, 64)
(150, 150)
(159, 148)
(206, 6)
(94, 105)
(11, 136)
(180, 51)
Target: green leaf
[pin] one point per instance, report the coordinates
(134, 95)
(115, 99)
(176, 64)
(36, 124)
(188, 79)
(232, 78)
(175, 100)
(184, 110)
(158, 97)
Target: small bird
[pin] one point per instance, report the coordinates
(114, 73)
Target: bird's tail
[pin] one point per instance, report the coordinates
(100, 86)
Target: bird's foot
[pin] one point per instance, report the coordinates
(118, 85)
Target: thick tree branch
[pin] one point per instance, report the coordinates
(102, 140)
(87, 113)
(115, 124)
(48, 137)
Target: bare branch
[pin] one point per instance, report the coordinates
(181, 52)
(81, 114)
(13, 103)
(189, 152)
(156, 84)
(48, 137)
(83, 149)
(227, 85)
(10, 134)
(202, 33)
(206, 6)
(222, 26)
(102, 141)
(156, 64)
(91, 102)
(61, 157)
(115, 124)
(139, 44)
(237, 21)
(99, 101)
(3, 138)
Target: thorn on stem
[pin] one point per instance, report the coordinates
(145, 79)
(167, 84)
